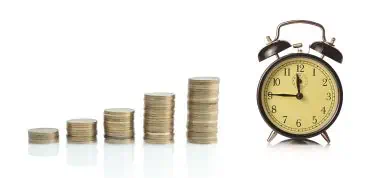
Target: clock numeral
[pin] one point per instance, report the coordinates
(328, 96)
(323, 110)
(314, 120)
(300, 68)
(298, 123)
(286, 71)
(269, 95)
(276, 81)
(285, 117)
(324, 82)
(314, 72)
(273, 109)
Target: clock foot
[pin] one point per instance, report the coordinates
(325, 136)
(271, 136)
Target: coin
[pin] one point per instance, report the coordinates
(203, 141)
(112, 140)
(81, 139)
(119, 111)
(43, 135)
(195, 134)
(203, 101)
(167, 141)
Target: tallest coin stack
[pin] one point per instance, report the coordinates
(203, 110)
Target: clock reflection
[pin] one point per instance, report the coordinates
(298, 143)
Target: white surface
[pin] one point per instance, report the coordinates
(74, 58)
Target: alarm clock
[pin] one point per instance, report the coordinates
(299, 95)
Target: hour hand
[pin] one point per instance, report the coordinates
(298, 82)
(282, 94)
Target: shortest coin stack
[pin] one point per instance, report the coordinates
(119, 125)
(43, 135)
(81, 130)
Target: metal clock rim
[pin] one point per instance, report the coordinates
(259, 100)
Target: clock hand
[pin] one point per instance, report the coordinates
(283, 94)
(299, 81)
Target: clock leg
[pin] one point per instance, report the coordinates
(271, 136)
(325, 136)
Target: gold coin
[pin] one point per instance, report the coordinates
(194, 121)
(204, 100)
(118, 124)
(118, 129)
(43, 131)
(202, 129)
(119, 120)
(82, 121)
(203, 141)
(43, 137)
(204, 80)
(201, 134)
(119, 112)
(81, 134)
(125, 134)
(158, 136)
(32, 141)
(159, 96)
(200, 125)
(158, 130)
(159, 141)
(203, 108)
(82, 140)
(112, 140)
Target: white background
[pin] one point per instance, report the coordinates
(74, 58)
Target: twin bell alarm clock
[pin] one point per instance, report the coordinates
(299, 95)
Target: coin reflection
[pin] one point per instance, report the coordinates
(118, 160)
(82, 154)
(43, 150)
(158, 160)
(201, 160)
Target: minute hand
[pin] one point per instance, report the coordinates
(283, 94)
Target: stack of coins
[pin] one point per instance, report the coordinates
(203, 110)
(43, 135)
(81, 130)
(159, 118)
(119, 125)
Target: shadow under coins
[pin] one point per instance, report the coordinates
(158, 160)
(43, 150)
(82, 154)
(201, 160)
(118, 160)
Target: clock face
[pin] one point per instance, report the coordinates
(299, 95)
